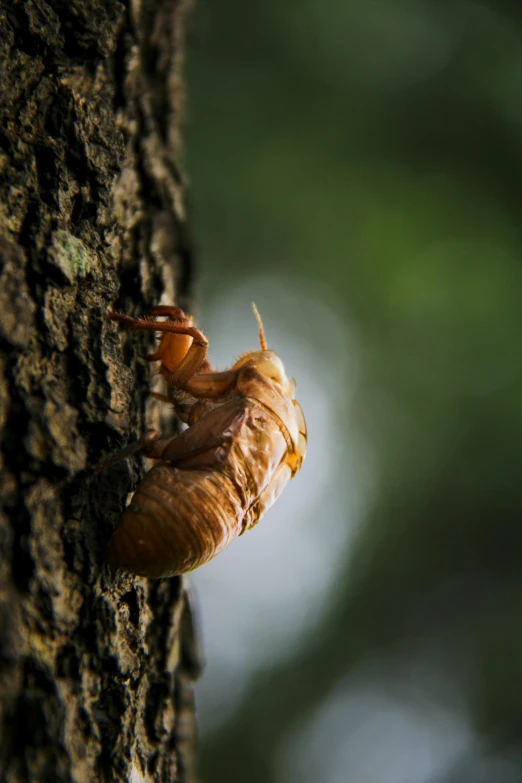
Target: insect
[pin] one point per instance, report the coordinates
(246, 437)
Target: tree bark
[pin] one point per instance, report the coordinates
(94, 666)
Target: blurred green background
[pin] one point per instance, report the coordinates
(356, 169)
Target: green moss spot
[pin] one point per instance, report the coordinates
(69, 254)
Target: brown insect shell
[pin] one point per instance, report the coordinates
(181, 517)
(277, 397)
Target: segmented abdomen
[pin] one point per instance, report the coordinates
(177, 520)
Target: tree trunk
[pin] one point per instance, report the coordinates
(94, 666)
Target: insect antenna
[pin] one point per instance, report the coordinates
(262, 338)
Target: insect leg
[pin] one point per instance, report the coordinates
(130, 322)
(195, 356)
(205, 435)
(211, 385)
(142, 445)
(147, 325)
(177, 453)
(203, 385)
(173, 448)
(174, 313)
(186, 377)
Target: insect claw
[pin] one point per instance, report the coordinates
(126, 321)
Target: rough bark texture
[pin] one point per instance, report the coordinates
(94, 668)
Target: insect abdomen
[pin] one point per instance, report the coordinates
(177, 520)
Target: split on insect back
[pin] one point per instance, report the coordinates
(246, 437)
